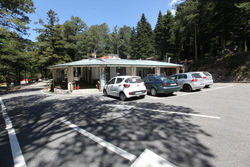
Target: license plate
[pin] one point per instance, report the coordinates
(173, 84)
(140, 92)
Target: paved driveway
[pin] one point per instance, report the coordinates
(205, 128)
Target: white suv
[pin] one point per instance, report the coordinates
(125, 87)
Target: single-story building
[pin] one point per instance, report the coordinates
(92, 70)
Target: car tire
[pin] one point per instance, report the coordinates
(105, 93)
(153, 92)
(187, 88)
(122, 96)
(170, 94)
(142, 97)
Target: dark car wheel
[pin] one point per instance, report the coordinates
(105, 93)
(187, 88)
(170, 94)
(142, 97)
(122, 97)
(153, 92)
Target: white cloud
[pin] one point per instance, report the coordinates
(173, 2)
(173, 11)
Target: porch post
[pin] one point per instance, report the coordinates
(102, 79)
(177, 70)
(70, 77)
(54, 74)
(157, 71)
(81, 72)
(133, 71)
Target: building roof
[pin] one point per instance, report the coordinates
(94, 62)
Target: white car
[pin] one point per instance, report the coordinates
(125, 87)
(208, 78)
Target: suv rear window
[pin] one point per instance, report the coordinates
(134, 80)
(196, 75)
(207, 74)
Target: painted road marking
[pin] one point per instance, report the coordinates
(147, 158)
(150, 159)
(100, 141)
(161, 111)
(14, 144)
(194, 93)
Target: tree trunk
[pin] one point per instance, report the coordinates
(195, 43)
(245, 46)
(223, 43)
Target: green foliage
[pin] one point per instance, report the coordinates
(13, 14)
(98, 39)
(143, 43)
(15, 57)
(120, 41)
(51, 49)
(72, 31)
(206, 29)
(164, 35)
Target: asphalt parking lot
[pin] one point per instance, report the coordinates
(204, 128)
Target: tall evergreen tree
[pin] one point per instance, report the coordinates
(158, 37)
(144, 39)
(51, 44)
(13, 14)
(71, 33)
(164, 34)
(125, 45)
(134, 43)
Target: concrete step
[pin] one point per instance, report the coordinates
(87, 91)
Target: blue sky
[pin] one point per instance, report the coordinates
(112, 12)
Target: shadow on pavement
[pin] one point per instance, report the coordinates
(45, 141)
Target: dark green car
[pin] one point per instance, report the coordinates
(161, 85)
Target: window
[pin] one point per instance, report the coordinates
(112, 81)
(151, 79)
(207, 74)
(182, 76)
(134, 80)
(196, 75)
(173, 77)
(119, 80)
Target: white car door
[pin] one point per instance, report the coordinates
(117, 86)
(110, 86)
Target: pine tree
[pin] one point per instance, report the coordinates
(158, 37)
(50, 43)
(144, 39)
(71, 35)
(14, 14)
(133, 42)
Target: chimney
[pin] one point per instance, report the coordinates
(169, 58)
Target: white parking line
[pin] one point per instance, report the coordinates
(161, 111)
(194, 93)
(100, 141)
(15, 148)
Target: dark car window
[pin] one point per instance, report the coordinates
(112, 81)
(119, 80)
(134, 80)
(151, 79)
(196, 75)
(158, 79)
(207, 74)
(182, 76)
(173, 77)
